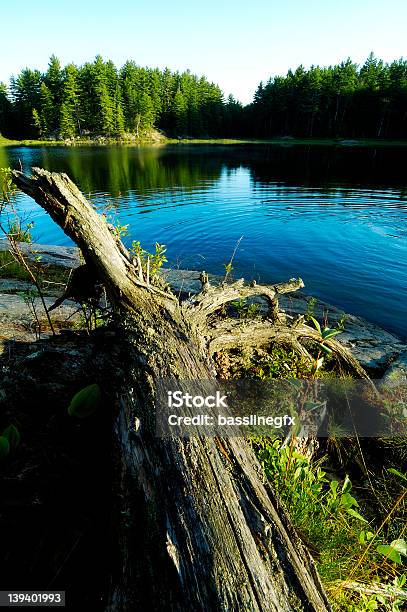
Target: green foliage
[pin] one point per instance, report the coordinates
(91, 318)
(10, 268)
(98, 99)
(336, 101)
(6, 185)
(85, 402)
(331, 522)
(393, 551)
(69, 113)
(228, 268)
(325, 333)
(246, 310)
(341, 322)
(310, 312)
(277, 362)
(37, 123)
(345, 100)
(156, 260)
(5, 109)
(20, 233)
(4, 448)
(121, 231)
(13, 437)
(388, 600)
(9, 441)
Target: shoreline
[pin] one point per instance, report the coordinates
(372, 345)
(164, 141)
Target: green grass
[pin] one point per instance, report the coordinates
(7, 142)
(341, 523)
(343, 142)
(163, 140)
(11, 269)
(332, 524)
(152, 138)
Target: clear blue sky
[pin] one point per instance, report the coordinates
(235, 43)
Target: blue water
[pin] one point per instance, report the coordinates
(336, 218)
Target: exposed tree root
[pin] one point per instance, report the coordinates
(232, 333)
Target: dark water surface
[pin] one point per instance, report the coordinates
(337, 217)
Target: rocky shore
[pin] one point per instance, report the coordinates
(380, 352)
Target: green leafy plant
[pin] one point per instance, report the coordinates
(310, 312)
(334, 526)
(9, 441)
(154, 261)
(4, 448)
(394, 551)
(229, 266)
(278, 362)
(340, 325)
(325, 333)
(85, 402)
(6, 184)
(245, 310)
(19, 233)
(12, 434)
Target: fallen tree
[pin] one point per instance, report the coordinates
(198, 529)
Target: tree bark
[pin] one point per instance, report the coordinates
(198, 528)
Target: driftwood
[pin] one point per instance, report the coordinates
(198, 529)
(384, 590)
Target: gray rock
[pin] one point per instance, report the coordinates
(397, 373)
(186, 281)
(15, 308)
(68, 257)
(374, 347)
(17, 322)
(12, 285)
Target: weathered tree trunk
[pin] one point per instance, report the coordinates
(198, 528)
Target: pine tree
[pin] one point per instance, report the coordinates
(37, 123)
(70, 115)
(5, 110)
(147, 114)
(105, 122)
(67, 121)
(47, 110)
(25, 90)
(118, 112)
(179, 111)
(53, 80)
(342, 100)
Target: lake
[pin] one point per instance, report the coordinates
(336, 216)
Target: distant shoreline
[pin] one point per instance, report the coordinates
(283, 141)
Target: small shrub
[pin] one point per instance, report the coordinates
(246, 310)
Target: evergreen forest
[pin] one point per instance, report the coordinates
(97, 99)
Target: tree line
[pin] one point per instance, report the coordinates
(99, 99)
(345, 100)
